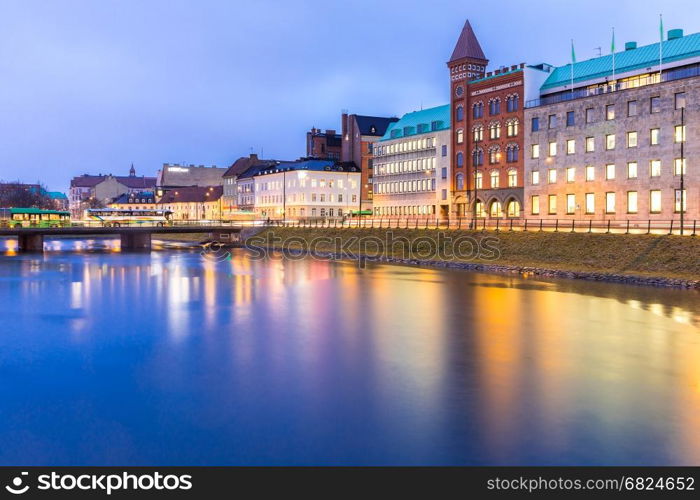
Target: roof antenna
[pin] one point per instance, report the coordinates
(600, 50)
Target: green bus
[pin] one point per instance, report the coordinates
(33, 217)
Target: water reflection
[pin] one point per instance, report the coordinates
(169, 358)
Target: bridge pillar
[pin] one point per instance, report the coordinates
(135, 241)
(30, 242)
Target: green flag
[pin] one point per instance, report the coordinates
(661, 27)
(573, 53)
(612, 45)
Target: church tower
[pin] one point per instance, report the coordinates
(467, 63)
(132, 171)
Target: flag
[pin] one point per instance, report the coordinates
(612, 45)
(573, 53)
(661, 27)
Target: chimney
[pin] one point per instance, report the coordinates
(330, 132)
(253, 156)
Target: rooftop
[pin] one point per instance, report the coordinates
(467, 45)
(373, 125)
(419, 122)
(310, 164)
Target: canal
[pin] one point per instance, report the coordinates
(167, 358)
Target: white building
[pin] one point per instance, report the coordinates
(412, 166)
(303, 189)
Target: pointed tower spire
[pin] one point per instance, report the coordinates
(132, 171)
(467, 45)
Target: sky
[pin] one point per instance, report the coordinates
(92, 86)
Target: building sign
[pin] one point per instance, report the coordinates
(178, 169)
(496, 88)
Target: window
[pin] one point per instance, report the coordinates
(570, 119)
(535, 177)
(570, 204)
(631, 108)
(654, 136)
(535, 126)
(535, 204)
(590, 172)
(478, 133)
(460, 182)
(495, 107)
(512, 128)
(655, 168)
(495, 131)
(553, 148)
(590, 144)
(679, 133)
(478, 157)
(512, 178)
(681, 199)
(609, 172)
(610, 141)
(512, 153)
(459, 113)
(610, 112)
(679, 166)
(590, 203)
(610, 203)
(535, 151)
(570, 174)
(512, 103)
(655, 104)
(460, 136)
(552, 121)
(494, 155)
(552, 176)
(552, 204)
(632, 170)
(631, 139)
(460, 159)
(655, 201)
(444, 150)
(632, 202)
(589, 115)
(478, 110)
(479, 180)
(571, 146)
(679, 100)
(494, 178)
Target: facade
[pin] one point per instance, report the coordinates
(610, 147)
(174, 175)
(139, 200)
(412, 166)
(323, 145)
(359, 133)
(304, 189)
(98, 190)
(230, 201)
(193, 203)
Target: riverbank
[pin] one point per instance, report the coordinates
(670, 261)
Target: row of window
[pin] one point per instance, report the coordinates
(398, 187)
(632, 171)
(494, 179)
(406, 210)
(301, 198)
(398, 167)
(573, 207)
(302, 183)
(512, 105)
(404, 146)
(631, 141)
(512, 127)
(609, 112)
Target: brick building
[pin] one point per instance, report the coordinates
(323, 145)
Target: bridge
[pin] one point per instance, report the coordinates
(31, 239)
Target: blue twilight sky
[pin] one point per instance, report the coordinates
(91, 86)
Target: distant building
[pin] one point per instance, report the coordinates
(138, 200)
(412, 166)
(323, 145)
(308, 188)
(193, 203)
(230, 202)
(31, 195)
(174, 175)
(359, 133)
(98, 190)
(59, 200)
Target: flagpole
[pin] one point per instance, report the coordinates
(573, 61)
(661, 40)
(613, 57)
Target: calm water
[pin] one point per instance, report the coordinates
(166, 358)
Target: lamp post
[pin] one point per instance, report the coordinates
(475, 161)
(682, 202)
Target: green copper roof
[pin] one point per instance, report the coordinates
(486, 78)
(629, 60)
(419, 122)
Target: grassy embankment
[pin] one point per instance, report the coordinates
(672, 257)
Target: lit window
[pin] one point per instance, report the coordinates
(679, 133)
(610, 112)
(535, 177)
(552, 204)
(535, 204)
(631, 139)
(655, 201)
(590, 203)
(460, 136)
(552, 175)
(654, 136)
(681, 200)
(610, 141)
(570, 204)
(494, 179)
(655, 168)
(590, 144)
(535, 150)
(512, 178)
(570, 146)
(610, 203)
(552, 148)
(632, 202)
(632, 170)
(570, 174)
(679, 166)
(590, 172)
(609, 172)
(479, 180)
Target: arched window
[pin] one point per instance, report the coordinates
(512, 103)
(495, 106)
(460, 136)
(512, 178)
(496, 209)
(459, 113)
(512, 128)
(513, 208)
(460, 182)
(478, 110)
(478, 157)
(512, 152)
(495, 179)
(495, 131)
(478, 133)
(494, 155)
(479, 180)
(460, 159)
